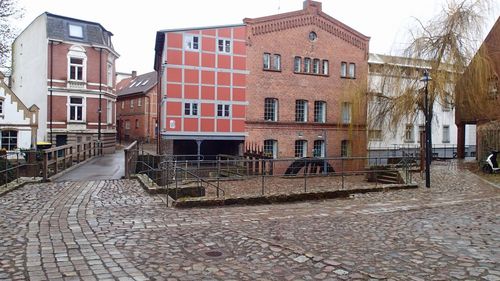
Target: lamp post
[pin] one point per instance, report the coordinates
(426, 78)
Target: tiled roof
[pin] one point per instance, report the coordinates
(140, 84)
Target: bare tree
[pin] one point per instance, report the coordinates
(8, 12)
(444, 46)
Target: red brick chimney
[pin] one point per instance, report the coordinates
(134, 73)
(313, 5)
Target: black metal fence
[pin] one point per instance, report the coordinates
(230, 176)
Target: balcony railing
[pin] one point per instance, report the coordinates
(73, 84)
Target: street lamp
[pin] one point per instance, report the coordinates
(323, 136)
(426, 78)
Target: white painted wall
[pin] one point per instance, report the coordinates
(30, 83)
(12, 118)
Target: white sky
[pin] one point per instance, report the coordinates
(134, 23)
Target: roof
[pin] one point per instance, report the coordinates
(92, 33)
(140, 84)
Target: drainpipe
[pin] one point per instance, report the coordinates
(100, 105)
(148, 115)
(51, 86)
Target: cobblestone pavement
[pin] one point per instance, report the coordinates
(113, 230)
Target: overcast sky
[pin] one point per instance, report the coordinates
(134, 23)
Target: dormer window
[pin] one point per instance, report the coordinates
(75, 31)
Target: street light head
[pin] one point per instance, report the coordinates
(426, 77)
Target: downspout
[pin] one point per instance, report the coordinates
(100, 105)
(158, 108)
(51, 86)
(148, 116)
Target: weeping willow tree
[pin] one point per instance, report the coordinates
(8, 12)
(444, 46)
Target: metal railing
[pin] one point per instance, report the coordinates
(229, 177)
(131, 154)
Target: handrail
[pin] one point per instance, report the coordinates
(200, 179)
(66, 155)
(131, 153)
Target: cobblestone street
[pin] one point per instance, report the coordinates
(112, 229)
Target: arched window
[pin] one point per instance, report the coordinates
(77, 64)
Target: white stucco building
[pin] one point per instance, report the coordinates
(18, 123)
(406, 137)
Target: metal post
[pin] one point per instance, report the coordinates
(305, 175)
(428, 148)
(342, 162)
(263, 176)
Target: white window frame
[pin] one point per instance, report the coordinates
(316, 66)
(307, 65)
(409, 133)
(191, 109)
(271, 104)
(123, 104)
(301, 105)
(352, 70)
(110, 74)
(223, 110)
(343, 69)
(75, 31)
(319, 145)
(224, 45)
(83, 107)
(266, 61)
(320, 111)
(1, 106)
(127, 124)
(192, 42)
(300, 145)
(297, 64)
(131, 103)
(271, 148)
(277, 62)
(77, 52)
(10, 144)
(139, 101)
(325, 68)
(345, 148)
(346, 113)
(109, 112)
(137, 123)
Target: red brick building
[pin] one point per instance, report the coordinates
(298, 72)
(136, 107)
(202, 79)
(66, 66)
(305, 67)
(490, 106)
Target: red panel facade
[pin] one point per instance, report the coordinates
(205, 82)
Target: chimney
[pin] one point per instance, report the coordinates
(134, 73)
(309, 4)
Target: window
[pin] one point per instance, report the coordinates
(110, 74)
(137, 123)
(109, 112)
(123, 104)
(271, 148)
(271, 109)
(343, 69)
(1, 106)
(375, 134)
(301, 111)
(446, 133)
(191, 42)
(190, 108)
(297, 64)
(316, 66)
(319, 148)
(493, 88)
(139, 101)
(421, 132)
(223, 110)
(75, 109)
(447, 103)
(409, 135)
(300, 148)
(75, 31)
(346, 113)
(76, 69)
(352, 70)
(325, 67)
(307, 65)
(345, 148)
(224, 46)
(267, 61)
(319, 111)
(313, 36)
(131, 103)
(277, 62)
(127, 125)
(9, 140)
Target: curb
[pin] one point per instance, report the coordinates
(283, 198)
